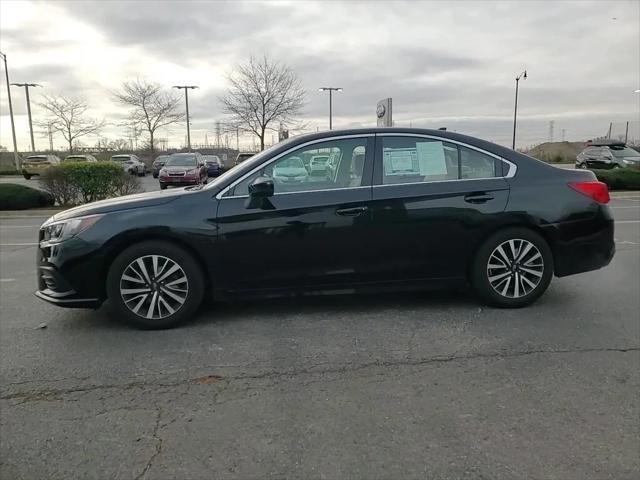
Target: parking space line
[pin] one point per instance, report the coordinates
(627, 221)
(18, 244)
(38, 226)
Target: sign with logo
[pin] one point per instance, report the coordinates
(383, 113)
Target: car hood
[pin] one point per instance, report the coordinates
(122, 203)
(290, 172)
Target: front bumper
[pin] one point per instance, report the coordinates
(68, 302)
(68, 274)
(180, 181)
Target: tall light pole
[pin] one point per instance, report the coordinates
(186, 89)
(16, 158)
(330, 90)
(26, 90)
(523, 76)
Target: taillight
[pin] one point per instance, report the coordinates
(596, 190)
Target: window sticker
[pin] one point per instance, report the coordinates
(401, 161)
(431, 158)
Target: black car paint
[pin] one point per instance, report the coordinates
(370, 237)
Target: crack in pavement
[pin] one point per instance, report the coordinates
(54, 394)
(158, 448)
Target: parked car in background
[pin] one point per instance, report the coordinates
(36, 164)
(130, 164)
(183, 169)
(406, 209)
(213, 164)
(83, 157)
(607, 156)
(242, 157)
(318, 165)
(291, 170)
(158, 163)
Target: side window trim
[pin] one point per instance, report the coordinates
(377, 180)
(368, 156)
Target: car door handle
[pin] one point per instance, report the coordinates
(478, 198)
(351, 212)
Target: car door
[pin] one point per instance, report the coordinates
(433, 200)
(309, 233)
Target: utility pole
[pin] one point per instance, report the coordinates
(523, 76)
(330, 90)
(186, 89)
(626, 132)
(237, 138)
(50, 132)
(609, 133)
(26, 90)
(16, 158)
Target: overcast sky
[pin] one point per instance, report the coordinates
(447, 64)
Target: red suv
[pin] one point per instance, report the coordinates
(183, 169)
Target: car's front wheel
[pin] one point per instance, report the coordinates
(512, 268)
(26, 176)
(155, 285)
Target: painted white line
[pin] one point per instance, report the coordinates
(18, 244)
(2, 227)
(627, 221)
(632, 206)
(6, 280)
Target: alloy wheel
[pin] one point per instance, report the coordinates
(515, 268)
(154, 286)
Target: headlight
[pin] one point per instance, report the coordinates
(629, 162)
(56, 232)
(163, 172)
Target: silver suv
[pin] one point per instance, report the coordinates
(612, 155)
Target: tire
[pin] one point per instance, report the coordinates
(26, 176)
(163, 187)
(518, 285)
(183, 297)
(155, 175)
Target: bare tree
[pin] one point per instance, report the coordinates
(262, 94)
(152, 107)
(67, 115)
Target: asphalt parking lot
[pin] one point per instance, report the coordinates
(421, 385)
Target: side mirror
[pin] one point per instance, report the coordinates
(261, 187)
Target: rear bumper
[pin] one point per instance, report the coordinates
(582, 246)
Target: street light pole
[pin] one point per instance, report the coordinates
(186, 101)
(26, 89)
(523, 75)
(330, 90)
(16, 158)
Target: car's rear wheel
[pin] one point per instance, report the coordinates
(26, 176)
(155, 285)
(512, 268)
(163, 187)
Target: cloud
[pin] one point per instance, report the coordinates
(440, 61)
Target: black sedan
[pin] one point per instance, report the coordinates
(401, 208)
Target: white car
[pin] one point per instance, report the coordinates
(318, 165)
(131, 164)
(290, 170)
(80, 157)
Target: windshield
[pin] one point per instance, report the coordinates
(38, 158)
(75, 159)
(624, 152)
(182, 161)
(120, 158)
(293, 162)
(161, 159)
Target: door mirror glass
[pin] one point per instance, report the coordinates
(261, 187)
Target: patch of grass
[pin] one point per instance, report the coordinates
(21, 197)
